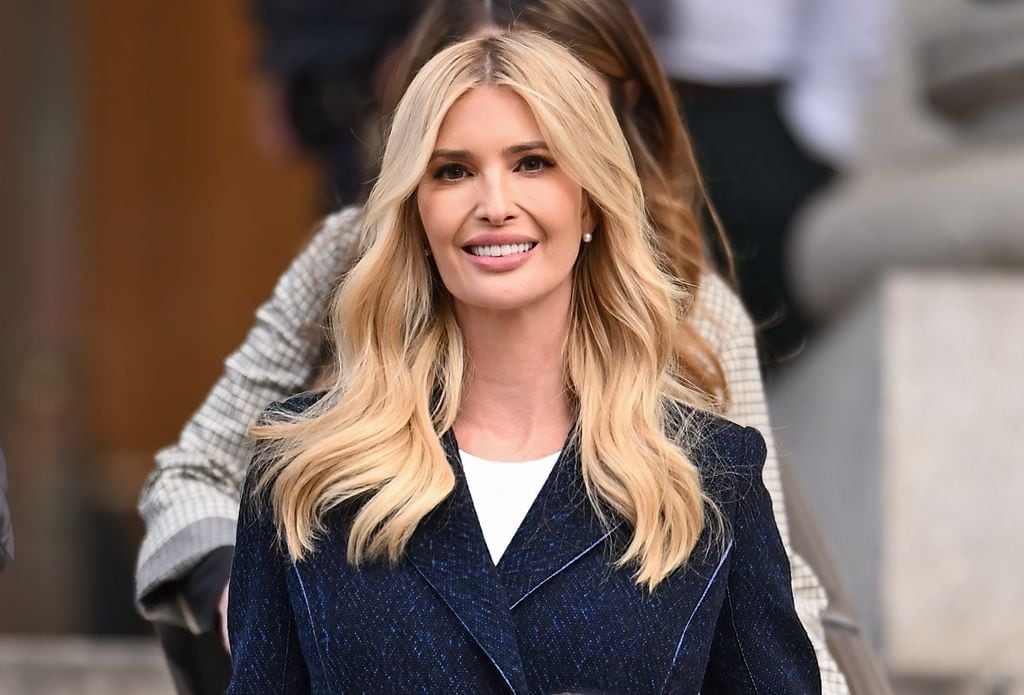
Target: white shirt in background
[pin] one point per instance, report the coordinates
(828, 53)
(502, 495)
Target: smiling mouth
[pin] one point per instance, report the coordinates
(500, 250)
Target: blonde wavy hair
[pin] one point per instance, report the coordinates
(373, 439)
(608, 36)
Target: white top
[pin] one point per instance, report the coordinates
(502, 495)
(827, 52)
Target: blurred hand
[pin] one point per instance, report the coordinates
(222, 610)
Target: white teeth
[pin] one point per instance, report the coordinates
(500, 250)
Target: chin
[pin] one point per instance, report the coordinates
(492, 303)
(514, 295)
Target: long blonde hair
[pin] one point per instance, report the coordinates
(608, 36)
(374, 437)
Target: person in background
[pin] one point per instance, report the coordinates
(773, 93)
(6, 529)
(190, 501)
(322, 67)
(321, 70)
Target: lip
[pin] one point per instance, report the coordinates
(499, 264)
(498, 239)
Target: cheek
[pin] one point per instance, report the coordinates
(432, 216)
(567, 196)
(568, 206)
(444, 210)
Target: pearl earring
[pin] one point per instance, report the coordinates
(587, 238)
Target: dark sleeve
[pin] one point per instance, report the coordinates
(203, 586)
(199, 663)
(200, 590)
(265, 652)
(6, 533)
(759, 644)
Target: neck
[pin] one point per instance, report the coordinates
(514, 406)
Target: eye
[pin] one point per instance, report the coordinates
(533, 163)
(451, 172)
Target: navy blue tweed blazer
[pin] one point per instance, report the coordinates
(554, 616)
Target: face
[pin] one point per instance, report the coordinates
(503, 220)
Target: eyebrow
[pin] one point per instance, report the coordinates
(510, 150)
(525, 147)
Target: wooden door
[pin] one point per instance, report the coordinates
(174, 228)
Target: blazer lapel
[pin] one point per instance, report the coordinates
(449, 551)
(560, 528)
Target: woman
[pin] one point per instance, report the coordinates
(509, 303)
(190, 502)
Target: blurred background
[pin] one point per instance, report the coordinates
(146, 210)
(142, 225)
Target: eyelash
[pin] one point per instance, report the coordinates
(544, 161)
(442, 172)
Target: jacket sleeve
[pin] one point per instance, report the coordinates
(6, 533)
(190, 501)
(265, 652)
(723, 322)
(759, 644)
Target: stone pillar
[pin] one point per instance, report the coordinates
(904, 421)
(903, 417)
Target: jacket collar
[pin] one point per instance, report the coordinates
(559, 529)
(449, 551)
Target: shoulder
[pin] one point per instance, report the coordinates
(314, 272)
(718, 313)
(699, 431)
(265, 452)
(336, 236)
(723, 451)
(292, 407)
(346, 220)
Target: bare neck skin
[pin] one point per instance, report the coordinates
(514, 406)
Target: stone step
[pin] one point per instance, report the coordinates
(82, 666)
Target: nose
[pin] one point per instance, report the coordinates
(495, 204)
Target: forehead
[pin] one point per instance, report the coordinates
(488, 115)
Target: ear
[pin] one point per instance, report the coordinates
(589, 214)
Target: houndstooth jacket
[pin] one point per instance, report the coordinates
(190, 501)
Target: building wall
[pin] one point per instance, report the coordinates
(142, 228)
